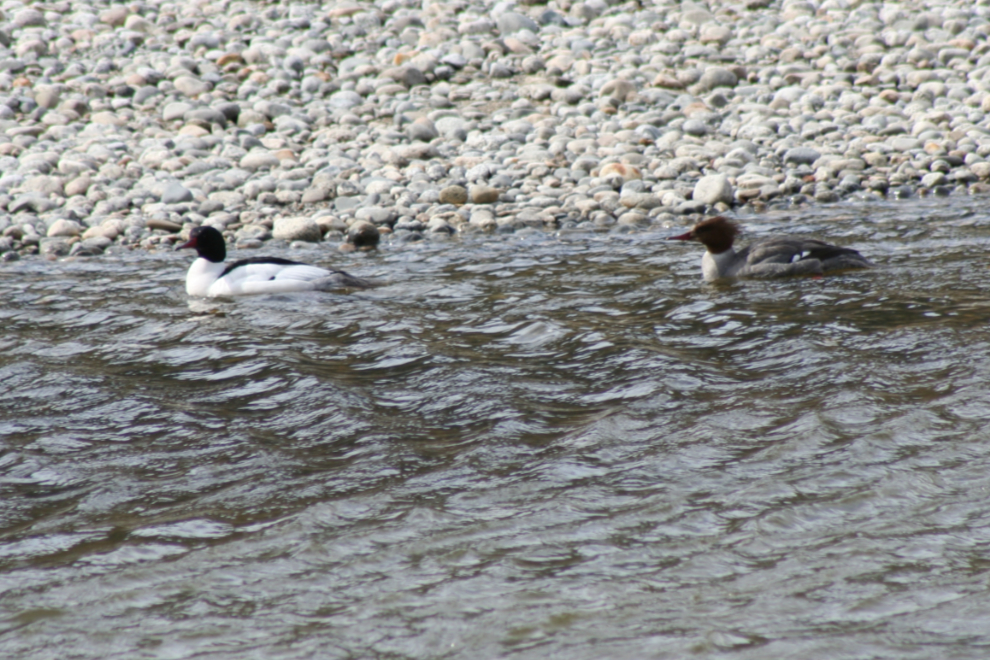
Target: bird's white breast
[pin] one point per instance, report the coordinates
(201, 276)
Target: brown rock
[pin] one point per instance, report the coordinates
(456, 195)
(229, 58)
(483, 195)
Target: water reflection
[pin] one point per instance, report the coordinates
(529, 444)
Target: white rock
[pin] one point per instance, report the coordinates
(65, 228)
(297, 229)
(257, 160)
(713, 189)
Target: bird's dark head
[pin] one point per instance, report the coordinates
(717, 234)
(208, 243)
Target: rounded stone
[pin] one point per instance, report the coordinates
(456, 195)
(64, 228)
(511, 22)
(55, 246)
(713, 189)
(801, 155)
(176, 193)
(115, 15)
(452, 127)
(363, 234)
(716, 76)
(626, 172)
(375, 214)
(313, 195)
(297, 229)
(407, 76)
(109, 229)
(163, 224)
(345, 99)
(44, 184)
(47, 96)
(483, 219)
(78, 186)
(641, 200)
(208, 115)
(190, 86)
(422, 129)
(31, 202)
(695, 127)
(480, 194)
(28, 18)
(258, 160)
(139, 24)
(619, 89)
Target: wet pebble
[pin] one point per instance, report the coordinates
(363, 234)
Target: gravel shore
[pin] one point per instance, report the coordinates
(129, 124)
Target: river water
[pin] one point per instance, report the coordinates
(532, 445)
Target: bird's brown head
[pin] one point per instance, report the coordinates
(717, 234)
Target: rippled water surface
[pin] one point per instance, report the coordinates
(534, 446)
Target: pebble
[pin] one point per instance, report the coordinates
(483, 219)
(481, 194)
(363, 234)
(62, 227)
(511, 22)
(423, 129)
(120, 120)
(801, 156)
(259, 160)
(176, 193)
(456, 195)
(163, 224)
(298, 228)
(713, 189)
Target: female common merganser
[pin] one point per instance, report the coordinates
(210, 276)
(774, 256)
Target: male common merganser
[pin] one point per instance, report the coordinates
(210, 276)
(774, 256)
